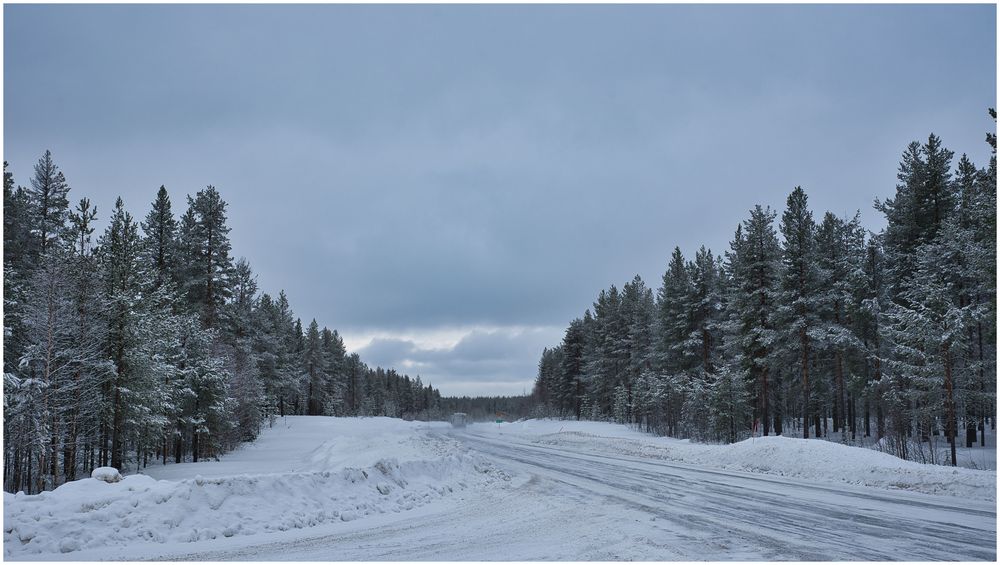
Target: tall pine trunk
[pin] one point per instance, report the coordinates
(949, 402)
(982, 384)
(804, 341)
(841, 393)
(765, 423)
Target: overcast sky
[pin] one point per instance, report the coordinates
(448, 186)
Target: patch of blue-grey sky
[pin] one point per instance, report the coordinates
(449, 186)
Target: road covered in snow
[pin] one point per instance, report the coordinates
(543, 490)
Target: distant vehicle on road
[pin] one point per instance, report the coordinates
(458, 419)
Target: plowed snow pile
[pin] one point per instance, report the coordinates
(303, 472)
(790, 457)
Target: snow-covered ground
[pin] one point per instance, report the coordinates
(303, 472)
(306, 443)
(332, 489)
(813, 459)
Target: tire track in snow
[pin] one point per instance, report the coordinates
(785, 519)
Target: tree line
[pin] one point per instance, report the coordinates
(489, 408)
(813, 325)
(150, 342)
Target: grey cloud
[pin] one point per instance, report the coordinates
(495, 361)
(388, 352)
(400, 167)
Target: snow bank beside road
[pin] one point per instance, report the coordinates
(790, 457)
(317, 443)
(91, 513)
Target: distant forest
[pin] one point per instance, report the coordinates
(153, 343)
(815, 324)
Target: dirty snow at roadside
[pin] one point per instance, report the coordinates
(305, 471)
(790, 457)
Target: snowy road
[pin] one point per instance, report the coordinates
(570, 504)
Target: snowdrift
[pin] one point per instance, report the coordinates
(91, 513)
(318, 443)
(813, 459)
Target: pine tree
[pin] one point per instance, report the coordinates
(298, 348)
(46, 366)
(755, 269)
(607, 357)
(81, 227)
(923, 201)
(799, 290)
(874, 300)
(204, 241)
(354, 373)
(334, 389)
(48, 202)
(729, 405)
(246, 392)
(928, 331)
(839, 254)
(18, 244)
(123, 287)
(239, 311)
(572, 370)
(638, 313)
(314, 370)
(673, 326)
(206, 404)
(704, 301)
(18, 253)
(90, 367)
(160, 241)
(974, 232)
(549, 381)
(268, 346)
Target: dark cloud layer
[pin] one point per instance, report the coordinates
(404, 167)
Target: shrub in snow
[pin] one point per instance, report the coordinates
(106, 474)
